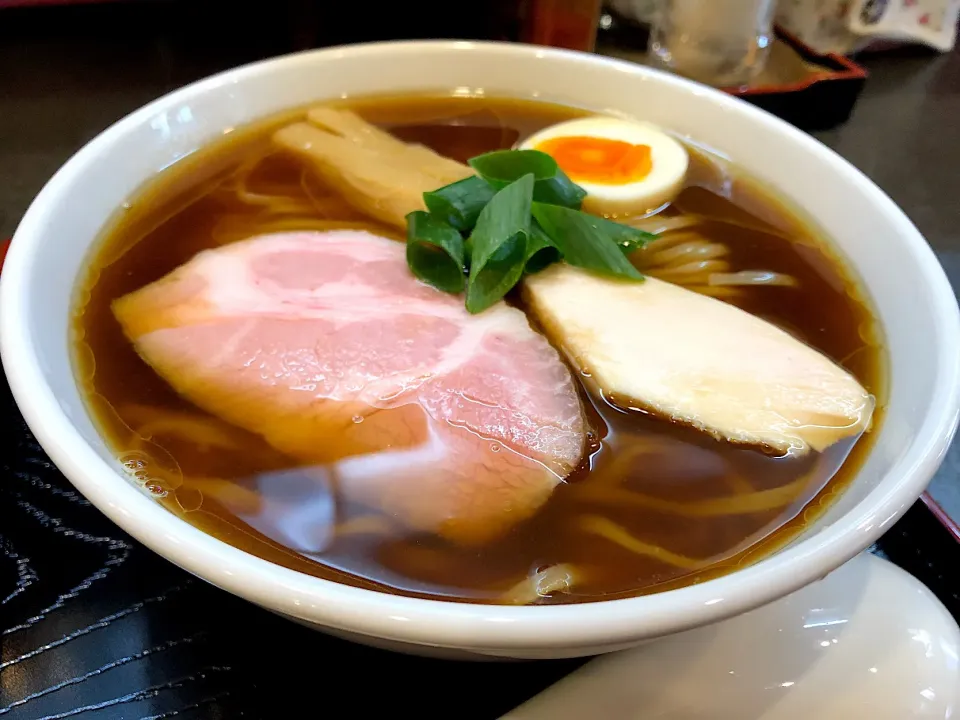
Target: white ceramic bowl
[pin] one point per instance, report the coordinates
(912, 296)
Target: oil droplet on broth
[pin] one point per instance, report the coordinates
(357, 419)
(155, 489)
(188, 498)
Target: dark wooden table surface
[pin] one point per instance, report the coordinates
(92, 624)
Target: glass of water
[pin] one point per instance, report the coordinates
(718, 42)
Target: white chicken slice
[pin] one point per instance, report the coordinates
(698, 361)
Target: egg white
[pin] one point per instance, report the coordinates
(669, 161)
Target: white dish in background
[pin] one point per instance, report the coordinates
(868, 641)
(913, 298)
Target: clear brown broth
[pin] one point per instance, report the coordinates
(172, 219)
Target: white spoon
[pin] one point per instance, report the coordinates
(868, 641)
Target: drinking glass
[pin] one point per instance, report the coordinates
(718, 42)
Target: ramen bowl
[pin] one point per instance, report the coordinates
(912, 298)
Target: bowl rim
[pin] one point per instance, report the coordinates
(438, 622)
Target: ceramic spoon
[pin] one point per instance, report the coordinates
(868, 641)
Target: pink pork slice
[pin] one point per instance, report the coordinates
(327, 346)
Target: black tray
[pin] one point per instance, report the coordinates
(92, 624)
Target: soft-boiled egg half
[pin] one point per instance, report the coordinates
(627, 168)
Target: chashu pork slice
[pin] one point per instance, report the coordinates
(698, 361)
(328, 347)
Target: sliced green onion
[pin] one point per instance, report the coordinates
(541, 251)
(522, 214)
(435, 252)
(584, 240)
(460, 203)
(502, 167)
(628, 238)
(467, 253)
(499, 244)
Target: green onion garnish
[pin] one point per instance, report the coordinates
(583, 241)
(435, 252)
(518, 215)
(541, 251)
(628, 238)
(501, 167)
(499, 244)
(460, 203)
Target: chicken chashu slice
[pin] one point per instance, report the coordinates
(698, 361)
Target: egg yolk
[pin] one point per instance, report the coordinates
(599, 160)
